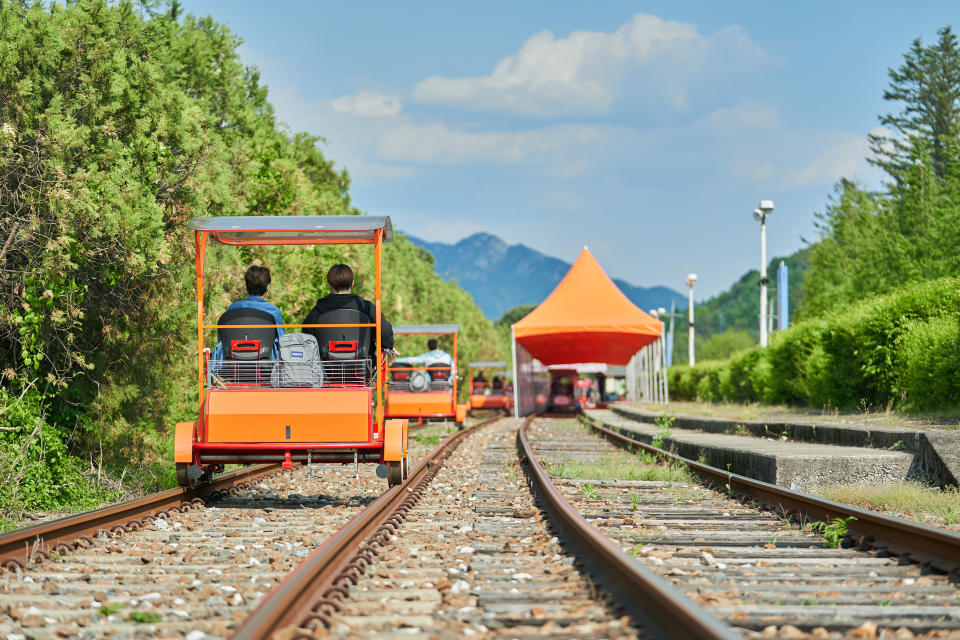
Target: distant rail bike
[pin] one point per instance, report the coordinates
(496, 393)
(255, 409)
(425, 391)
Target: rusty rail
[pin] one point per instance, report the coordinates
(313, 590)
(36, 543)
(636, 585)
(913, 541)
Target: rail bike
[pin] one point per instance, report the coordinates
(254, 408)
(563, 384)
(425, 390)
(495, 393)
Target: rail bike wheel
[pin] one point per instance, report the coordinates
(396, 473)
(183, 477)
(185, 480)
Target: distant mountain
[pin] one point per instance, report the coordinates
(501, 276)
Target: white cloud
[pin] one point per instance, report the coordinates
(586, 71)
(436, 143)
(367, 104)
(843, 157)
(741, 116)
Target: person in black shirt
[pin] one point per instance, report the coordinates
(340, 279)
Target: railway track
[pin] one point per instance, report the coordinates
(181, 563)
(472, 557)
(465, 547)
(761, 573)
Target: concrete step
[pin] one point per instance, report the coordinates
(802, 466)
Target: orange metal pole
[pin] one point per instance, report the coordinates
(200, 241)
(377, 247)
(453, 406)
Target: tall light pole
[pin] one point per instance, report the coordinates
(760, 215)
(690, 280)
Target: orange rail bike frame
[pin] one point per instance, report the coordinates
(435, 402)
(347, 406)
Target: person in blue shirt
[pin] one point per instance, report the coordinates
(257, 280)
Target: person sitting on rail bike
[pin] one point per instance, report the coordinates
(437, 359)
(257, 280)
(342, 307)
(434, 355)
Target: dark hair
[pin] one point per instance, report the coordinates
(257, 279)
(432, 344)
(340, 277)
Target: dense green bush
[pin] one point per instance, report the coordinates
(36, 470)
(119, 121)
(929, 379)
(899, 349)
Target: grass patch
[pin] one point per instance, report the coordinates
(906, 499)
(620, 470)
(142, 617)
(430, 436)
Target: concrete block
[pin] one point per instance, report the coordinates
(796, 465)
(937, 461)
(849, 435)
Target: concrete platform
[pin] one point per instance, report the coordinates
(797, 465)
(848, 435)
(936, 451)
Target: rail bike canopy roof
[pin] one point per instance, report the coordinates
(425, 329)
(246, 230)
(586, 319)
(488, 363)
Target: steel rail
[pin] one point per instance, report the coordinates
(679, 616)
(916, 542)
(36, 543)
(315, 588)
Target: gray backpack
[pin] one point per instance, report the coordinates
(299, 364)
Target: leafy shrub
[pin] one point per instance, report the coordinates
(36, 469)
(723, 345)
(898, 348)
(928, 356)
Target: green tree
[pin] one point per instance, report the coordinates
(927, 85)
(514, 315)
(118, 123)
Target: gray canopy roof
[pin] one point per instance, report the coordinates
(486, 363)
(426, 328)
(293, 229)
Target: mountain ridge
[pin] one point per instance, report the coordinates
(501, 276)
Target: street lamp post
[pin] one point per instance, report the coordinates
(760, 215)
(692, 357)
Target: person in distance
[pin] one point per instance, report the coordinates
(340, 279)
(434, 355)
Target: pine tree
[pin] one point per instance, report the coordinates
(928, 86)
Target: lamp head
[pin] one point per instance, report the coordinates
(757, 215)
(691, 279)
(766, 207)
(661, 311)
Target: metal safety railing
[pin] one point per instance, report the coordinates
(277, 374)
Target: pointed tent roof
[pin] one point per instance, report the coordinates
(586, 319)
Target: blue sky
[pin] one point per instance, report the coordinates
(646, 130)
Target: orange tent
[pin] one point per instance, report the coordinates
(586, 319)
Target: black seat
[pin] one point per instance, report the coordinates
(342, 343)
(439, 371)
(248, 351)
(247, 344)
